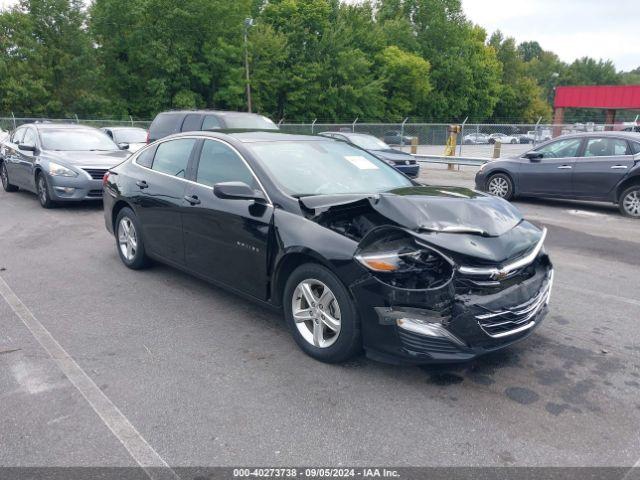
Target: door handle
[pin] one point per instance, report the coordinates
(142, 184)
(193, 199)
(619, 167)
(565, 167)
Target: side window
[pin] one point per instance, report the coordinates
(18, 135)
(145, 159)
(172, 157)
(219, 163)
(561, 148)
(192, 123)
(211, 123)
(29, 137)
(635, 148)
(606, 147)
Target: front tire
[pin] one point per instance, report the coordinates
(4, 176)
(500, 185)
(128, 233)
(42, 187)
(629, 203)
(321, 315)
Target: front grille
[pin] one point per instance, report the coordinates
(94, 193)
(96, 173)
(515, 319)
(422, 344)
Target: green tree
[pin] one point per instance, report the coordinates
(49, 65)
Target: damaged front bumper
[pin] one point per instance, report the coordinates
(468, 317)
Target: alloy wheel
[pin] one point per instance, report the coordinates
(127, 239)
(42, 190)
(631, 203)
(316, 313)
(499, 187)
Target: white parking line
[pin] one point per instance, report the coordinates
(113, 418)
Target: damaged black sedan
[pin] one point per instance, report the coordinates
(355, 254)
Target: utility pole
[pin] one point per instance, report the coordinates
(248, 23)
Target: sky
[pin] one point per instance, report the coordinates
(570, 28)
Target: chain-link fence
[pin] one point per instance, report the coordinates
(10, 123)
(474, 140)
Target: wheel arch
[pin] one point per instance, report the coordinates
(626, 183)
(117, 207)
(287, 264)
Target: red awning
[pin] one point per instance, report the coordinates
(606, 96)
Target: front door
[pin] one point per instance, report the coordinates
(161, 198)
(604, 163)
(551, 174)
(26, 161)
(226, 239)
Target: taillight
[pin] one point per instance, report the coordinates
(105, 179)
(148, 131)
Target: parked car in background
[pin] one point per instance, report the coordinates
(476, 139)
(502, 138)
(355, 254)
(168, 123)
(58, 162)
(599, 166)
(524, 138)
(395, 137)
(401, 161)
(133, 137)
(3, 135)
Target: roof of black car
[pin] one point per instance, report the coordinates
(251, 136)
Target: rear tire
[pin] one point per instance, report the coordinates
(500, 185)
(129, 242)
(4, 175)
(629, 203)
(331, 331)
(42, 188)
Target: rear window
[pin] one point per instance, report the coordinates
(165, 124)
(249, 121)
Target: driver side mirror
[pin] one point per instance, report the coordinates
(237, 190)
(123, 146)
(534, 156)
(25, 147)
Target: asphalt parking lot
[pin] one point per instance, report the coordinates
(208, 379)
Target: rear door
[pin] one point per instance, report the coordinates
(226, 239)
(161, 198)
(606, 160)
(552, 174)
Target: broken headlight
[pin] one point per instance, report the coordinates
(396, 259)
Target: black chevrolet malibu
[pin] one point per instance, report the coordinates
(355, 254)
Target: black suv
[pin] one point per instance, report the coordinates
(168, 123)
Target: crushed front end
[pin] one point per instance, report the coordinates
(450, 307)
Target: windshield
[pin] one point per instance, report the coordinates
(368, 142)
(130, 135)
(249, 121)
(325, 168)
(76, 140)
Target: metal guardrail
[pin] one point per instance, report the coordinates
(470, 161)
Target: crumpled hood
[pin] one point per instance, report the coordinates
(107, 159)
(434, 209)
